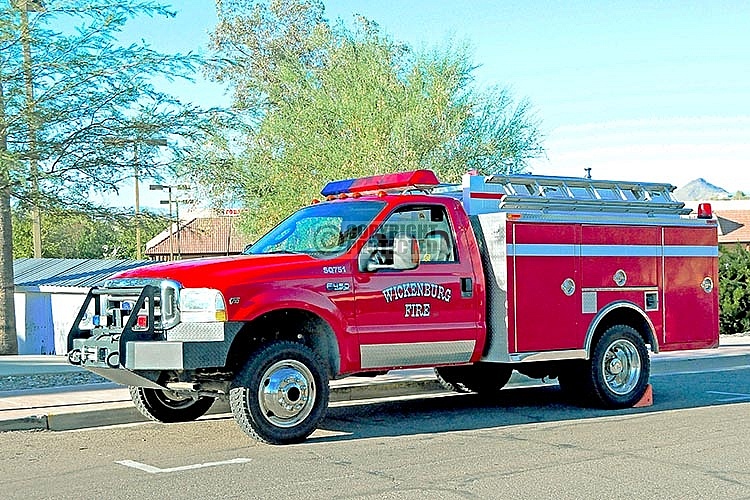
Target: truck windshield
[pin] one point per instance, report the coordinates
(324, 230)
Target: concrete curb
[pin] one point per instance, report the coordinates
(116, 413)
(101, 414)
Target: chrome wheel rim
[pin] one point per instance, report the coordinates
(621, 367)
(287, 393)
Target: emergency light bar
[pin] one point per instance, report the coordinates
(386, 181)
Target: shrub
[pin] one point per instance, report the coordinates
(734, 290)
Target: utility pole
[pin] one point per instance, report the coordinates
(138, 254)
(26, 6)
(155, 141)
(169, 200)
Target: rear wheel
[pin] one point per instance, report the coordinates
(617, 374)
(281, 394)
(482, 378)
(167, 406)
(620, 368)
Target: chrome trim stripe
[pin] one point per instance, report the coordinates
(138, 282)
(622, 288)
(690, 251)
(545, 250)
(527, 357)
(416, 354)
(620, 250)
(621, 219)
(537, 250)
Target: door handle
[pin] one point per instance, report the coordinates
(467, 287)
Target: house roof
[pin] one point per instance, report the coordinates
(733, 217)
(734, 226)
(199, 236)
(69, 272)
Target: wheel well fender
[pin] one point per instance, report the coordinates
(621, 313)
(293, 324)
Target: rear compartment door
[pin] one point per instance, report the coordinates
(691, 297)
(545, 304)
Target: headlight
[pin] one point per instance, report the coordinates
(202, 305)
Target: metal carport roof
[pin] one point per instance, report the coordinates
(69, 272)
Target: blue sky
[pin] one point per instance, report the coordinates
(637, 90)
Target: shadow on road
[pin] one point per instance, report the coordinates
(458, 412)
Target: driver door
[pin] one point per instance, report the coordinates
(417, 317)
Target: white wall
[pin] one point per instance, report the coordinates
(44, 316)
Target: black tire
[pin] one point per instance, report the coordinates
(166, 406)
(482, 378)
(281, 394)
(619, 369)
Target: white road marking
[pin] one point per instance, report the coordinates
(698, 372)
(734, 396)
(156, 470)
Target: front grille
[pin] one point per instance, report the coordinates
(142, 304)
(124, 311)
(119, 309)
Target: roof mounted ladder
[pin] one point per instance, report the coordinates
(484, 194)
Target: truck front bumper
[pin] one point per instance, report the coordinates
(105, 351)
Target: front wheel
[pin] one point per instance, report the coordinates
(166, 406)
(281, 394)
(620, 368)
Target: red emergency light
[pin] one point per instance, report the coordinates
(704, 211)
(380, 182)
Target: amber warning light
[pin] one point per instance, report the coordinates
(704, 211)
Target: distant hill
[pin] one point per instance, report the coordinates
(700, 189)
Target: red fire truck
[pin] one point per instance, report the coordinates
(550, 276)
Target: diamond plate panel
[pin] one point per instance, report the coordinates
(490, 231)
(416, 354)
(197, 332)
(588, 302)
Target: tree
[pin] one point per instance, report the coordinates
(73, 234)
(77, 109)
(327, 102)
(734, 289)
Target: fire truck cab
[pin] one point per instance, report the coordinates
(551, 276)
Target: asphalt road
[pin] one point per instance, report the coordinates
(528, 443)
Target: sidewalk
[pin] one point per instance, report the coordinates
(94, 405)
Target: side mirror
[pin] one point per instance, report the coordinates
(405, 255)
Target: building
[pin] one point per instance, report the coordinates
(201, 235)
(734, 220)
(734, 227)
(48, 295)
